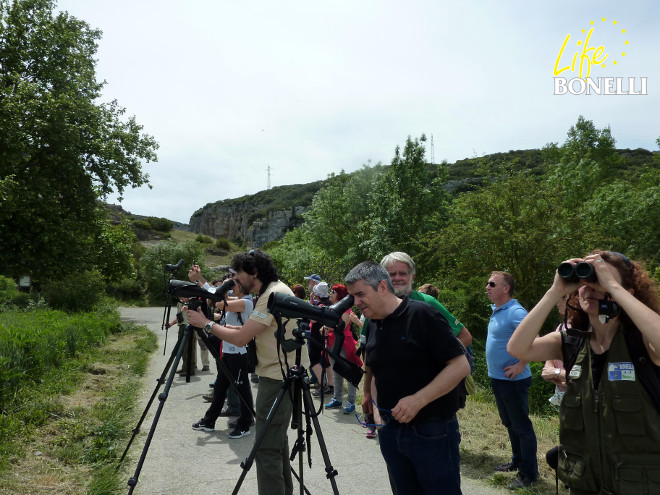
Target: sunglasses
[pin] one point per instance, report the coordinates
(491, 284)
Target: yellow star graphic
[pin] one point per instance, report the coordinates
(626, 42)
(603, 19)
(603, 65)
(591, 22)
(584, 31)
(623, 54)
(623, 31)
(615, 62)
(614, 22)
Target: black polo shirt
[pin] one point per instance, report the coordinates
(406, 351)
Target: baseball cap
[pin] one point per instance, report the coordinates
(314, 277)
(321, 289)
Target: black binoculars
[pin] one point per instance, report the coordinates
(580, 271)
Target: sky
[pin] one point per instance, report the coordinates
(230, 89)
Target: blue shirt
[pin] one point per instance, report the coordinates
(503, 322)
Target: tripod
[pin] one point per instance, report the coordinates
(296, 384)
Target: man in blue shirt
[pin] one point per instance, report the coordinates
(510, 379)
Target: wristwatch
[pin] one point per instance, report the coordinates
(208, 327)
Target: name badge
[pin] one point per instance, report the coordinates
(620, 372)
(576, 371)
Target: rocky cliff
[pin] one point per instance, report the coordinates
(256, 219)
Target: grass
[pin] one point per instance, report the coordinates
(69, 429)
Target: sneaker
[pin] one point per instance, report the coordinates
(506, 468)
(208, 397)
(317, 392)
(520, 481)
(238, 433)
(205, 368)
(203, 425)
(371, 432)
(333, 404)
(350, 407)
(234, 423)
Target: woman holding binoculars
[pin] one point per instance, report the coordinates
(610, 414)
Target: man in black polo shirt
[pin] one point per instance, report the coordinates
(416, 363)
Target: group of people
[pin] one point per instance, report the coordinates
(416, 360)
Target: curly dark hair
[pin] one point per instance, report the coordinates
(256, 262)
(633, 276)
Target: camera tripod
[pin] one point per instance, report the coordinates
(170, 371)
(296, 384)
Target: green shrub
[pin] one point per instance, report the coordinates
(160, 224)
(127, 289)
(156, 257)
(203, 239)
(140, 225)
(8, 289)
(223, 243)
(77, 292)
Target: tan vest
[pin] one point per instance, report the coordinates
(610, 438)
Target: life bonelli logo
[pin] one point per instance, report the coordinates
(600, 48)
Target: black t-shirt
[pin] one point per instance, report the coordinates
(406, 351)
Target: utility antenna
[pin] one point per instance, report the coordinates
(268, 184)
(432, 150)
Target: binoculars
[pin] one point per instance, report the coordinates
(580, 271)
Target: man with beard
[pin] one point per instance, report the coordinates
(256, 273)
(401, 269)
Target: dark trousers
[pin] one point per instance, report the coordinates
(423, 459)
(237, 364)
(512, 398)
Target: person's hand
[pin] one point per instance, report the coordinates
(606, 280)
(367, 405)
(406, 409)
(514, 370)
(563, 286)
(548, 373)
(196, 318)
(195, 273)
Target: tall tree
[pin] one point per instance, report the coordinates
(60, 149)
(402, 200)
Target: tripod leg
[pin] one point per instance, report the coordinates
(162, 398)
(159, 382)
(331, 472)
(247, 464)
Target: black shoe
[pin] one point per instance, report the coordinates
(506, 468)
(234, 423)
(205, 368)
(226, 413)
(203, 425)
(521, 481)
(208, 397)
(238, 433)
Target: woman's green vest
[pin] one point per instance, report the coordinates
(610, 438)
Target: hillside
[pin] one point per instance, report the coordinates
(256, 219)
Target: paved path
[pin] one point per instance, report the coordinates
(181, 460)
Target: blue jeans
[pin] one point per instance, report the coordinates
(513, 405)
(423, 459)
